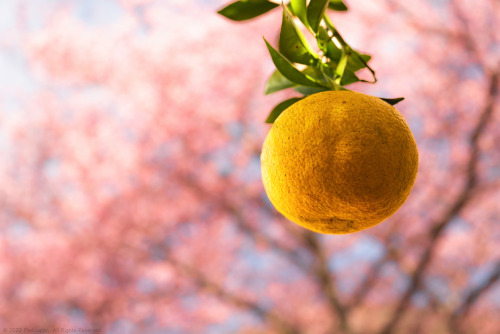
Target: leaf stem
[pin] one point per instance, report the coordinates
(339, 71)
(334, 31)
(346, 46)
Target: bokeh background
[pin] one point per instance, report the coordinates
(130, 191)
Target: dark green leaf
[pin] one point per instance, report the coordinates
(333, 52)
(315, 11)
(338, 5)
(310, 90)
(323, 39)
(348, 78)
(288, 70)
(324, 75)
(277, 82)
(293, 44)
(280, 108)
(246, 9)
(299, 8)
(393, 101)
(355, 63)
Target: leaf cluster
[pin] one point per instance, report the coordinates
(331, 65)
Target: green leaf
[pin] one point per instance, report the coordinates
(333, 52)
(277, 82)
(323, 35)
(323, 39)
(246, 9)
(392, 101)
(322, 77)
(292, 43)
(288, 70)
(310, 90)
(299, 8)
(280, 108)
(361, 61)
(355, 63)
(337, 5)
(349, 78)
(339, 71)
(315, 12)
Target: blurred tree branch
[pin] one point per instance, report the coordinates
(244, 226)
(279, 324)
(461, 201)
(461, 311)
(373, 275)
(326, 282)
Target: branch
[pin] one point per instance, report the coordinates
(413, 20)
(461, 311)
(372, 276)
(369, 281)
(258, 236)
(280, 325)
(290, 254)
(454, 210)
(325, 281)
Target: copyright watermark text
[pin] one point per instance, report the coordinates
(50, 330)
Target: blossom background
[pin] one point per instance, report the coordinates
(130, 190)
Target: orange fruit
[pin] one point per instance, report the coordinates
(339, 162)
